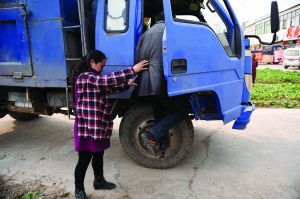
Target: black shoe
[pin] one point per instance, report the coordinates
(149, 142)
(101, 183)
(80, 194)
(163, 147)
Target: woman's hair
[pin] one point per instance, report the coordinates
(84, 65)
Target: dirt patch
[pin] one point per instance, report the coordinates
(9, 189)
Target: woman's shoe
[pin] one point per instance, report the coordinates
(80, 194)
(101, 183)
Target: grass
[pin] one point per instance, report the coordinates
(276, 88)
(32, 195)
(269, 76)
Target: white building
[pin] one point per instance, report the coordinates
(288, 34)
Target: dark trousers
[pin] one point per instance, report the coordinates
(253, 80)
(84, 159)
(168, 112)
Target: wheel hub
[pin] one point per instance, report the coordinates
(145, 124)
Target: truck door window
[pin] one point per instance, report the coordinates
(215, 21)
(116, 16)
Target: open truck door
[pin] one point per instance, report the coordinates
(119, 32)
(202, 52)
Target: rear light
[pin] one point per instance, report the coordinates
(248, 81)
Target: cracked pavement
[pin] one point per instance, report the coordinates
(262, 161)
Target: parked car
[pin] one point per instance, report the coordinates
(291, 58)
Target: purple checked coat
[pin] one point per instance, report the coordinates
(93, 124)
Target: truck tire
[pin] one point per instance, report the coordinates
(22, 116)
(3, 112)
(138, 119)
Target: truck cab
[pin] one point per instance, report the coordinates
(206, 60)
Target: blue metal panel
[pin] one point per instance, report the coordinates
(44, 9)
(118, 47)
(9, 3)
(34, 82)
(15, 53)
(9, 30)
(47, 43)
(48, 51)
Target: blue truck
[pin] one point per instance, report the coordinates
(206, 60)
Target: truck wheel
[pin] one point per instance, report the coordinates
(22, 116)
(139, 119)
(285, 67)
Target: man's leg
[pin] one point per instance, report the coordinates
(159, 111)
(176, 113)
(162, 128)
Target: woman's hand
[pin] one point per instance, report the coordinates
(140, 66)
(131, 82)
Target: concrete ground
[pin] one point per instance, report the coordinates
(262, 161)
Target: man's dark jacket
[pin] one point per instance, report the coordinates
(151, 81)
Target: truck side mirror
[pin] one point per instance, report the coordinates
(274, 17)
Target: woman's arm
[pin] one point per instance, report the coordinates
(106, 82)
(123, 86)
(119, 88)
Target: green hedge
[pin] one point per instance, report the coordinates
(276, 88)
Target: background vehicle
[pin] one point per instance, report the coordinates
(267, 54)
(291, 58)
(40, 47)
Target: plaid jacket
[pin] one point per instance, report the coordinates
(92, 103)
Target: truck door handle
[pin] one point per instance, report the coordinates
(178, 66)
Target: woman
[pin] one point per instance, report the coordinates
(254, 66)
(93, 124)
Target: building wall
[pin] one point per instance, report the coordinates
(289, 19)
